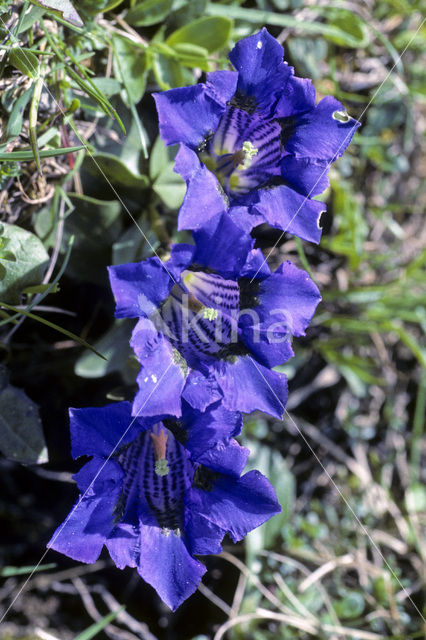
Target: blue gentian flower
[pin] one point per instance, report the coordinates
(256, 135)
(213, 322)
(152, 503)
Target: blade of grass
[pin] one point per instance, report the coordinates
(8, 572)
(94, 629)
(85, 83)
(52, 325)
(32, 119)
(24, 156)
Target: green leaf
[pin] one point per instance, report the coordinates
(130, 66)
(258, 17)
(111, 167)
(210, 32)
(191, 55)
(30, 18)
(107, 86)
(136, 243)
(158, 158)
(96, 225)
(24, 155)
(170, 187)
(352, 27)
(111, 5)
(94, 629)
(21, 432)
(114, 344)
(149, 12)
(168, 72)
(31, 259)
(61, 8)
(25, 61)
(351, 606)
(14, 124)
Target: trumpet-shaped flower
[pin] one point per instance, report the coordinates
(152, 502)
(213, 323)
(256, 137)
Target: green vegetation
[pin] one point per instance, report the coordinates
(85, 182)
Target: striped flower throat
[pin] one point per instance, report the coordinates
(244, 152)
(200, 316)
(158, 472)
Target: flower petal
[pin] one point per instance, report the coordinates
(318, 134)
(236, 505)
(201, 391)
(203, 537)
(139, 287)
(308, 176)
(291, 290)
(284, 208)
(162, 376)
(230, 458)
(83, 533)
(221, 246)
(286, 302)
(247, 385)
(122, 545)
(204, 196)
(97, 430)
(261, 70)
(189, 114)
(166, 565)
(201, 431)
(298, 96)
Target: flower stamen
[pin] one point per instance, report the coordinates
(159, 441)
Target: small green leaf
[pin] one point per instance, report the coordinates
(114, 345)
(130, 66)
(95, 225)
(117, 172)
(159, 157)
(41, 288)
(191, 55)
(61, 8)
(167, 72)
(25, 61)
(351, 606)
(354, 31)
(28, 267)
(149, 12)
(21, 432)
(30, 18)
(170, 187)
(210, 32)
(14, 124)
